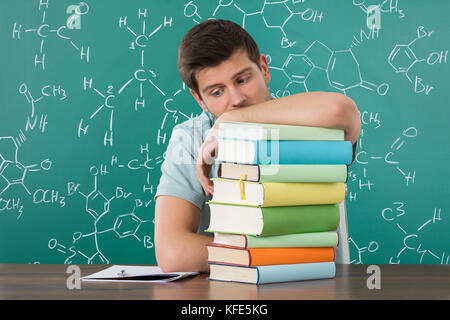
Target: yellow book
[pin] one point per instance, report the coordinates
(276, 194)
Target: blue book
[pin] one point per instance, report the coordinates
(284, 151)
(273, 273)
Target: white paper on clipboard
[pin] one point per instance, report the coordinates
(124, 273)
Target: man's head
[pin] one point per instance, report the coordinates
(221, 64)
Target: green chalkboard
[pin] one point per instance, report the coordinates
(90, 92)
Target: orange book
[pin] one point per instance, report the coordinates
(268, 256)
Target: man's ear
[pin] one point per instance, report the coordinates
(264, 67)
(199, 100)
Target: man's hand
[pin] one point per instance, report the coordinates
(205, 160)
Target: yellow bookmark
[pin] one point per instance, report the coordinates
(241, 186)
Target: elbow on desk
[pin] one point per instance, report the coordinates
(167, 265)
(164, 259)
(169, 260)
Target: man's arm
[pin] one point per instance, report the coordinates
(315, 109)
(177, 244)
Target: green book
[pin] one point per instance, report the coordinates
(267, 131)
(272, 221)
(305, 240)
(284, 172)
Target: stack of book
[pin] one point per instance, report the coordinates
(275, 208)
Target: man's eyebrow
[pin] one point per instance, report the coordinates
(237, 74)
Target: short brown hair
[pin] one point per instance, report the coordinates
(210, 43)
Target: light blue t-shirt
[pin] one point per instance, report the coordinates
(178, 176)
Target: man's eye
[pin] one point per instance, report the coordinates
(216, 93)
(243, 80)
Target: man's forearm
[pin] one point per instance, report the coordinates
(316, 109)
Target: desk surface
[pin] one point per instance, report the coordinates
(28, 281)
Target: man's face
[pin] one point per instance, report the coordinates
(236, 82)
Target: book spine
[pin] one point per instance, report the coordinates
(302, 173)
(273, 131)
(276, 256)
(299, 219)
(267, 131)
(302, 152)
(295, 194)
(296, 272)
(310, 239)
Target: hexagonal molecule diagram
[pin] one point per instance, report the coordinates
(12, 172)
(127, 225)
(343, 70)
(274, 15)
(96, 203)
(337, 70)
(402, 58)
(87, 247)
(298, 67)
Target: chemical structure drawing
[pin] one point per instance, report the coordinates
(274, 15)
(12, 171)
(107, 104)
(172, 113)
(337, 70)
(106, 219)
(140, 42)
(44, 30)
(96, 202)
(340, 70)
(142, 75)
(355, 250)
(149, 164)
(412, 243)
(385, 6)
(46, 91)
(73, 255)
(364, 36)
(363, 158)
(403, 58)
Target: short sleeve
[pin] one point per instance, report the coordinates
(178, 176)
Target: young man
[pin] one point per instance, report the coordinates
(228, 77)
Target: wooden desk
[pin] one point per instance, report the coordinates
(28, 281)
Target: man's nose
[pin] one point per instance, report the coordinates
(237, 98)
